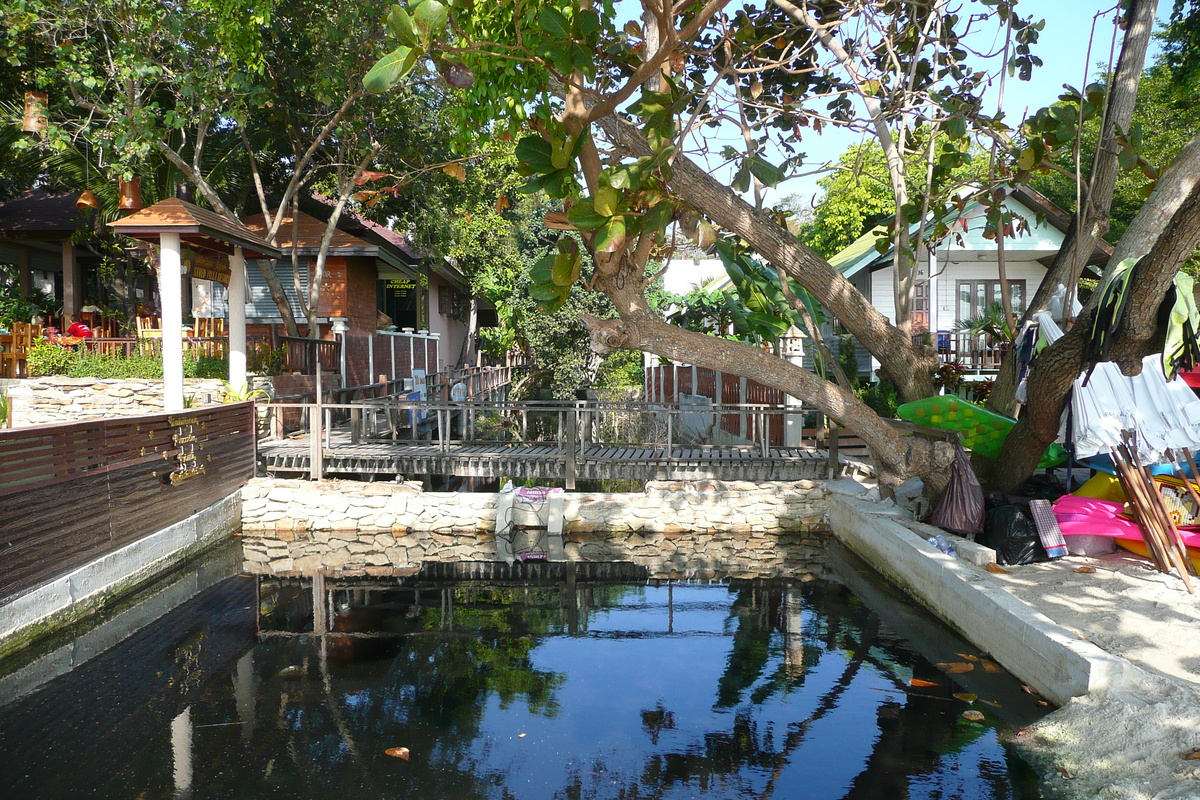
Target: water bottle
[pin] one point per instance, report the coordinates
(943, 544)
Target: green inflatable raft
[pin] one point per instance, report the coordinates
(983, 431)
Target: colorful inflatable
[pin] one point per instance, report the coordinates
(983, 431)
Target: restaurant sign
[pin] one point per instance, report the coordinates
(205, 267)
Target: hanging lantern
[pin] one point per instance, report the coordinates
(87, 200)
(130, 194)
(34, 120)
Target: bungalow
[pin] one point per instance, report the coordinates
(960, 278)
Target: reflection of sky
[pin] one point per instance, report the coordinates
(609, 682)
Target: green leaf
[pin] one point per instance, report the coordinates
(536, 152)
(767, 173)
(658, 216)
(552, 21)
(567, 267)
(400, 24)
(741, 180)
(583, 215)
(606, 201)
(429, 18)
(706, 235)
(610, 237)
(542, 271)
(545, 292)
(391, 69)
(589, 21)
(1027, 160)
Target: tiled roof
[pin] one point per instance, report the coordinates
(309, 231)
(191, 221)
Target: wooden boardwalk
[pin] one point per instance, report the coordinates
(547, 461)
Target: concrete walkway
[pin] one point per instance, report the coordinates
(1118, 649)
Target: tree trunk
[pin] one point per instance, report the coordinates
(910, 368)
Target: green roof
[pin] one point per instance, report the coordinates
(860, 253)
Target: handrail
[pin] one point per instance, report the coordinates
(572, 426)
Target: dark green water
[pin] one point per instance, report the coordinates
(764, 690)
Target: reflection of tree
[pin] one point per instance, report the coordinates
(447, 656)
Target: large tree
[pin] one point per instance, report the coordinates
(618, 115)
(252, 103)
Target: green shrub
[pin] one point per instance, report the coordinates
(207, 367)
(90, 364)
(262, 360)
(881, 397)
(48, 359)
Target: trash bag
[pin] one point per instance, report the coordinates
(961, 508)
(1014, 537)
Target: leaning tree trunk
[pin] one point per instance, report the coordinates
(1166, 231)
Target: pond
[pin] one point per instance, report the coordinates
(217, 687)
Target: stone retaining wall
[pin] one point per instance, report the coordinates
(53, 399)
(676, 529)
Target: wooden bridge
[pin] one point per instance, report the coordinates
(558, 443)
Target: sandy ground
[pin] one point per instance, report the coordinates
(1128, 741)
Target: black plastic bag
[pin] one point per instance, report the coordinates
(1014, 537)
(961, 508)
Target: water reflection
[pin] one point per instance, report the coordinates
(577, 689)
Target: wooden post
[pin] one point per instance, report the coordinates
(834, 435)
(316, 465)
(569, 442)
(671, 428)
(237, 318)
(742, 421)
(320, 623)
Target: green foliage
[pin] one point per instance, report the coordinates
(14, 307)
(50, 359)
(241, 393)
(881, 397)
(847, 356)
(263, 360)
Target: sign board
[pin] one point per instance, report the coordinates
(205, 267)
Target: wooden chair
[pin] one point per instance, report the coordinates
(15, 360)
(149, 328)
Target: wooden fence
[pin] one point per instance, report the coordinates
(72, 492)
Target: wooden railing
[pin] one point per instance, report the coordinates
(72, 492)
(302, 354)
(572, 428)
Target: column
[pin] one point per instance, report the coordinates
(170, 289)
(237, 318)
(72, 281)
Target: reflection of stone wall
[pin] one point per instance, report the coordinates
(694, 528)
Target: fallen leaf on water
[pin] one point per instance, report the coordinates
(397, 752)
(1066, 773)
(919, 682)
(1042, 703)
(967, 656)
(991, 667)
(996, 568)
(1192, 754)
(957, 667)
(1029, 690)
(966, 697)
(292, 672)
(992, 703)
(1085, 570)
(521, 735)
(973, 716)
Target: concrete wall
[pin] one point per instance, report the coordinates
(692, 529)
(1040, 652)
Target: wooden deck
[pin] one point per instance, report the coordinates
(547, 461)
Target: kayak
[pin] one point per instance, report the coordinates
(983, 431)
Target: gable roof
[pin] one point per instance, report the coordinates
(861, 253)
